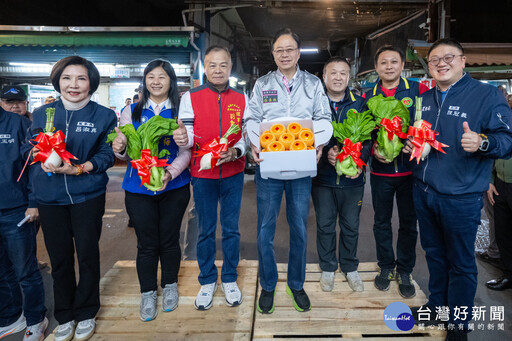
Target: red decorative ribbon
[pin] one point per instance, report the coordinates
(353, 150)
(393, 127)
(47, 144)
(214, 147)
(145, 163)
(422, 136)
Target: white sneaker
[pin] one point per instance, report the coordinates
(65, 332)
(204, 298)
(148, 309)
(327, 281)
(36, 331)
(233, 294)
(85, 329)
(354, 281)
(170, 297)
(15, 327)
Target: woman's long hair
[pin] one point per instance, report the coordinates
(173, 89)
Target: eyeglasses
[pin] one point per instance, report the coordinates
(447, 59)
(279, 52)
(11, 103)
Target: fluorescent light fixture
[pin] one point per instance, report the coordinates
(128, 84)
(233, 79)
(29, 64)
(309, 50)
(181, 83)
(144, 65)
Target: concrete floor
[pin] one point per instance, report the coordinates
(118, 242)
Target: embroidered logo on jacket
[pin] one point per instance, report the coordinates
(235, 113)
(85, 127)
(6, 138)
(269, 96)
(407, 101)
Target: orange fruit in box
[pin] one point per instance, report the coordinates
(276, 146)
(307, 136)
(298, 145)
(294, 128)
(277, 129)
(287, 139)
(266, 138)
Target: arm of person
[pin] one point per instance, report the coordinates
(180, 163)
(254, 112)
(321, 108)
(184, 136)
(119, 144)
(103, 156)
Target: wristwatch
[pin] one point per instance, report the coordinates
(484, 145)
(238, 152)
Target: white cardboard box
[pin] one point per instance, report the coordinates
(291, 164)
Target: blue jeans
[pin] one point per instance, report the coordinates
(208, 193)
(269, 194)
(448, 225)
(18, 267)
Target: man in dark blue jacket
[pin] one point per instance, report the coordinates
(18, 264)
(335, 195)
(390, 179)
(473, 119)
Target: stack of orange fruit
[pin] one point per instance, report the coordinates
(292, 137)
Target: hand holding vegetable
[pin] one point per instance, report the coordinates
(180, 135)
(377, 155)
(227, 156)
(119, 143)
(165, 180)
(331, 155)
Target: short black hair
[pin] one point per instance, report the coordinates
(385, 48)
(215, 48)
(92, 72)
(283, 32)
(446, 41)
(336, 59)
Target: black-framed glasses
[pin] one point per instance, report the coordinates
(288, 51)
(434, 61)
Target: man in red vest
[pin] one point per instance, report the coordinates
(207, 112)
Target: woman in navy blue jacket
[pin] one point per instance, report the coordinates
(71, 198)
(156, 215)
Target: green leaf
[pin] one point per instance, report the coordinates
(357, 127)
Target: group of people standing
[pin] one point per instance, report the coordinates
(443, 193)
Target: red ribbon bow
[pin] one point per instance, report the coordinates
(353, 150)
(393, 127)
(49, 143)
(145, 163)
(214, 147)
(422, 136)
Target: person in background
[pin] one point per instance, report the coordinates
(390, 180)
(71, 197)
(335, 195)
(14, 99)
(19, 308)
(135, 98)
(156, 215)
(473, 119)
(300, 94)
(49, 99)
(208, 112)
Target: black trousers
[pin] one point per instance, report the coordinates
(68, 228)
(503, 225)
(157, 222)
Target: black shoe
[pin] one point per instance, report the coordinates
(383, 279)
(266, 302)
(300, 299)
(488, 259)
(425, 315)
(456, 335)
(499, 284)
(405, 286)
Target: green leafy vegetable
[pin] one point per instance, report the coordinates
(147, 137)
(388, 107)
(357, 127)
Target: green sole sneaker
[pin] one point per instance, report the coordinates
(266, 296)
(301, 294)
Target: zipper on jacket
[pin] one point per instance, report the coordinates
(66, 140)
(220, 129)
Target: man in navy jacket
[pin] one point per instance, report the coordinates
(18, 264)
(472, 118)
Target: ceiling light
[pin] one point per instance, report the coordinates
(309, 50)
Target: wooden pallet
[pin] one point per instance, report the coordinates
(118, 318)
(340, 314)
